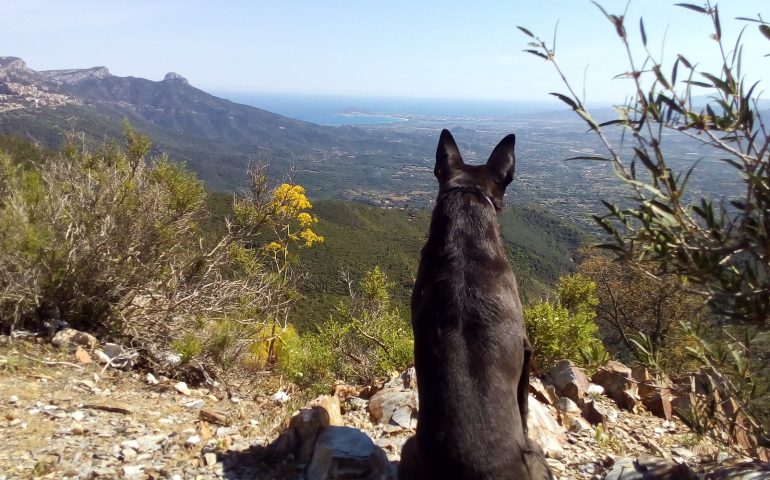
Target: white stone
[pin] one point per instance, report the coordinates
(280, 396)
(195, 404)
(595, 389)
(210, 458)
(102, 357)
(130, 444)
(132, 470)
(182, 388)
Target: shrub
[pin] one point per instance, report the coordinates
(562, 329)
(364, 340)
(632, 304)
(109, 242)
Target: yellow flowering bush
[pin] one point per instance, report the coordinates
(268, 223)
(292, 222)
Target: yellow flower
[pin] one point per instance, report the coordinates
(310, 237)
(290, 200)
(274, 247)
(305, 219)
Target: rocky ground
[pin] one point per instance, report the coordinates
(62, 416)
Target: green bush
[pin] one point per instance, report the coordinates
(83, 231)
(365, 339)
(109, 242)
(562, 329)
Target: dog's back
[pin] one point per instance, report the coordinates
(471, 350)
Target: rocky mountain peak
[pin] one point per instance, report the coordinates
(12, 63)
(175, 77)
(76, 75)
(14, 69)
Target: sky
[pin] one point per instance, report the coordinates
(391, 48)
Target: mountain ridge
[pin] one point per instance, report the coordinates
(218, 138)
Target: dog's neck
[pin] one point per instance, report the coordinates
(473, 189)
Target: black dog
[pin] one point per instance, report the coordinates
(470, 346)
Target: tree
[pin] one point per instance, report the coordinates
(631, 303)
(718, 250)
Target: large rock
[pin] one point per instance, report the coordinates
(543, 393)
(659, 404)
(647, 467)
(304, 427)
(387, 401)
(570, 381)
(406, 380)
(330, 404)
(544, 428)
(70, 338)
(618, 384)
(565, 405)
(344, 453)
(596, 414)
(683, 394)
(654, 392)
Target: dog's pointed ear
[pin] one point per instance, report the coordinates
(503, 161)
(447, 156)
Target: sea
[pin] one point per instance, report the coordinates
(334, 109)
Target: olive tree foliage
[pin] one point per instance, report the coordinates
(108, 241)
(719, 250)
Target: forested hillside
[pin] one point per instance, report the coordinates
(358, 237)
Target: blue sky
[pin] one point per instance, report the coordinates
(401, 48)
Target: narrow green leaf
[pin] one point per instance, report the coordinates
(718, 82)
(674, 70)
(526, 32)
(535, 52)
(660, 77)
(613, 122)
(603, 10)
(747, 19)
(684, 61)
(589, 157)
(699, 84)
(765, 30)
(648, 163)
(604, 224)
(566, 100)
(734, 163)
(610, 246)
(644, 34)
(717, 23)
(692, 7)
(683, 184)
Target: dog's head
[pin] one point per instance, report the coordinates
(490, 178)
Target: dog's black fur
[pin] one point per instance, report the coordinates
(471, 350)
